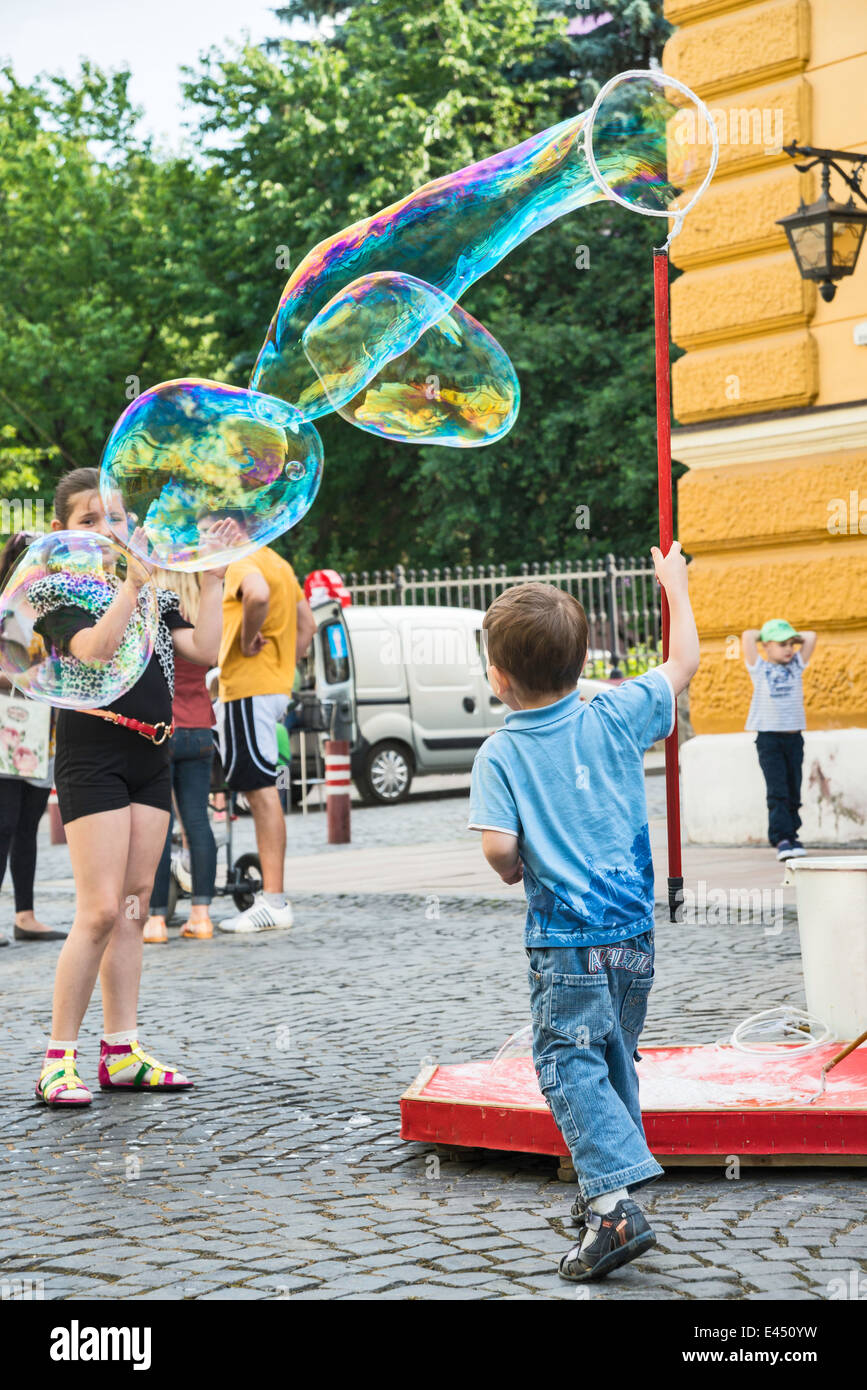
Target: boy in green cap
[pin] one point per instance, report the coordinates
(777, 717)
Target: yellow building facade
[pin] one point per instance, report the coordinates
(770, 395)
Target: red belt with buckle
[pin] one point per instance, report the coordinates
(157, 733)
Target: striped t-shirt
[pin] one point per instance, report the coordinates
(778, 696)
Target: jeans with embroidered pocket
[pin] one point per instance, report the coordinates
(588, 1005)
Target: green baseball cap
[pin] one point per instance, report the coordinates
(778, 630)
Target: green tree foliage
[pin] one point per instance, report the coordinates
(105, 259)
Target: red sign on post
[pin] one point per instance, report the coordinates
(324, 584)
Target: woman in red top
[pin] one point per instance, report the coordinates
(192, 752)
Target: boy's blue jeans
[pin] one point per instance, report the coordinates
(588, 1005)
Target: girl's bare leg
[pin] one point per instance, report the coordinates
(98, 847)
(120, 972)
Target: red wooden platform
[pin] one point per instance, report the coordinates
(700, 1104)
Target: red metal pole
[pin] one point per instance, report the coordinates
(666, 537)
(337, 787)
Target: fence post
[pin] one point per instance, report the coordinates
(611, 606)
(399, 583)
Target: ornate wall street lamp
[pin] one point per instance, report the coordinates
(826, 236)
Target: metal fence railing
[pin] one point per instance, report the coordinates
(620, 596)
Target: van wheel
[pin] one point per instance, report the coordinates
(387, 774)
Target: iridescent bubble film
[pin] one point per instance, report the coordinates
(519, 1044)
(397, 359)
(447, 234)
(59, 577)
(188, 456)
(456, 228)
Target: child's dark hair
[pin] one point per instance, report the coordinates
(538, 634)
(79, 480)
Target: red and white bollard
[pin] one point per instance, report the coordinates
(337, 788)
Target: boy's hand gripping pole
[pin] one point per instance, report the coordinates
(666, 537)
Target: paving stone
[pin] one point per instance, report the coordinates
(714, 1288)
(786, 1252)
(527, 1267)
(466, 1278)
(455, 1262)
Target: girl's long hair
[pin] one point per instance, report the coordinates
(186, 586)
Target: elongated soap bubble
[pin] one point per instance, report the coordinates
(447, 233)
(456, 228)
(61, 577)
(188, 455)
(397, 359)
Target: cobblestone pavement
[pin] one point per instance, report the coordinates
(282, 1173)
(425, 818)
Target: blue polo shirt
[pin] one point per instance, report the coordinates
(568, 780)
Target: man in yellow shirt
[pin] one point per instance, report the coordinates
(267, 626)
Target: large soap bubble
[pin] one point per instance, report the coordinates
(190, 454)
(398, 359)
(60, 576)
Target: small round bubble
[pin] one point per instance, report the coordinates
(648, 138)
(202, 474)
(64, 581)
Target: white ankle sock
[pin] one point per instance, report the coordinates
(275, 899)
(605, 1202)
(128, 1035)
(55, 1046)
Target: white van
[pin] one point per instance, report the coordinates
(414, 677)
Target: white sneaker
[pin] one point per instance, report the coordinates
(260, 917)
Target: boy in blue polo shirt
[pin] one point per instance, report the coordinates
(558, 794)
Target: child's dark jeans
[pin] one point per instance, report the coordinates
(781, 758)
(192, 754)
(588, 1005)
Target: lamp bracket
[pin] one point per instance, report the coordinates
(829, 159)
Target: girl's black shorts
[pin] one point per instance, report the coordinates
(109, 772)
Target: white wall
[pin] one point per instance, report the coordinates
(724, 791)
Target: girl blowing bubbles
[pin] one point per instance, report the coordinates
(114, 791)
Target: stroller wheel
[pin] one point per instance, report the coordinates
(247, 877)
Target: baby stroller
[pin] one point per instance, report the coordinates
(243, 876)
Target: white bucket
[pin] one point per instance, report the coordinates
(832, 924)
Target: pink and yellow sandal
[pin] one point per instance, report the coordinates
(59, 1082)
(117, 1058)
